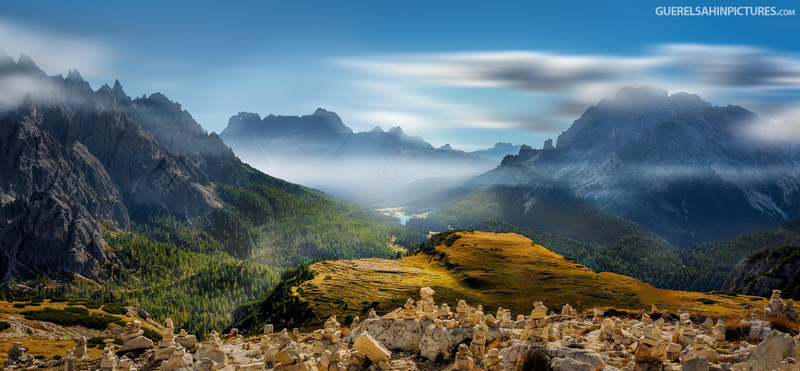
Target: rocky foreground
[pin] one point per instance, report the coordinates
(424, 336)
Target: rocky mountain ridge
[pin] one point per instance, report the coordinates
(74, 158)
(675, 164)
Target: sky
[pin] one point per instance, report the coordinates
(469, 73)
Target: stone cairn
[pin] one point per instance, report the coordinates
(187, 341)
(478, 345)
(266, 336)
(69, 361)
(327, 338)
(133, 337)
(167, 344)
(464, 362)
(699, 348)
(212, 351)
(537, 330)
(776, 308)
(80, 348)
(178, 360)
(719, 331)
(493, 360)
(651, 350)
(108, 362)
(17, 356)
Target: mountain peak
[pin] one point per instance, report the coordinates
(446, 147)
(5, 59)
(119, 94)
(321, 111)
(502, 145)
(376, 129)
(642, 92)
(395, 130)
(26, 64)
(74, 75)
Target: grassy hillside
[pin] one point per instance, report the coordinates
(699, 267)
(493, 269)
(48, 340)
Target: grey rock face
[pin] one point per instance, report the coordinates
(74, 159)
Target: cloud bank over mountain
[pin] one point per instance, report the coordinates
(561, 86)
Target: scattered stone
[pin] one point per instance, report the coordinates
(207, 364)
(125, 364)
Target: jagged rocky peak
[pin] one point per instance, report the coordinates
(26, 65)
(628, 117)
(119, 93)
(74, 75)
(446, 147)
(376, 129)
(548, 144)
(523, 149)
(5, 59)
(395, 130)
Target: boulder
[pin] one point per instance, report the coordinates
(373, 349)
(696, 364)
(776, 347)
(570, 364)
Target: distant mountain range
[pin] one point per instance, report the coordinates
(499, 151)
(77, 163)
(376, 167)
(675, 165)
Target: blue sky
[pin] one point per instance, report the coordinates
(470, 73)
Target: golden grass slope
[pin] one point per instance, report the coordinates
(496, 270)
(48, 340)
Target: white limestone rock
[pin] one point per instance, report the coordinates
(776, 347)
(372, 348)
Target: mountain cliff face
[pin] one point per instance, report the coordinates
(764, 271)
(74, 158)
(675, 164)
(376, 167)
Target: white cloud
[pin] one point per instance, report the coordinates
(56, 53)
(765, 81)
